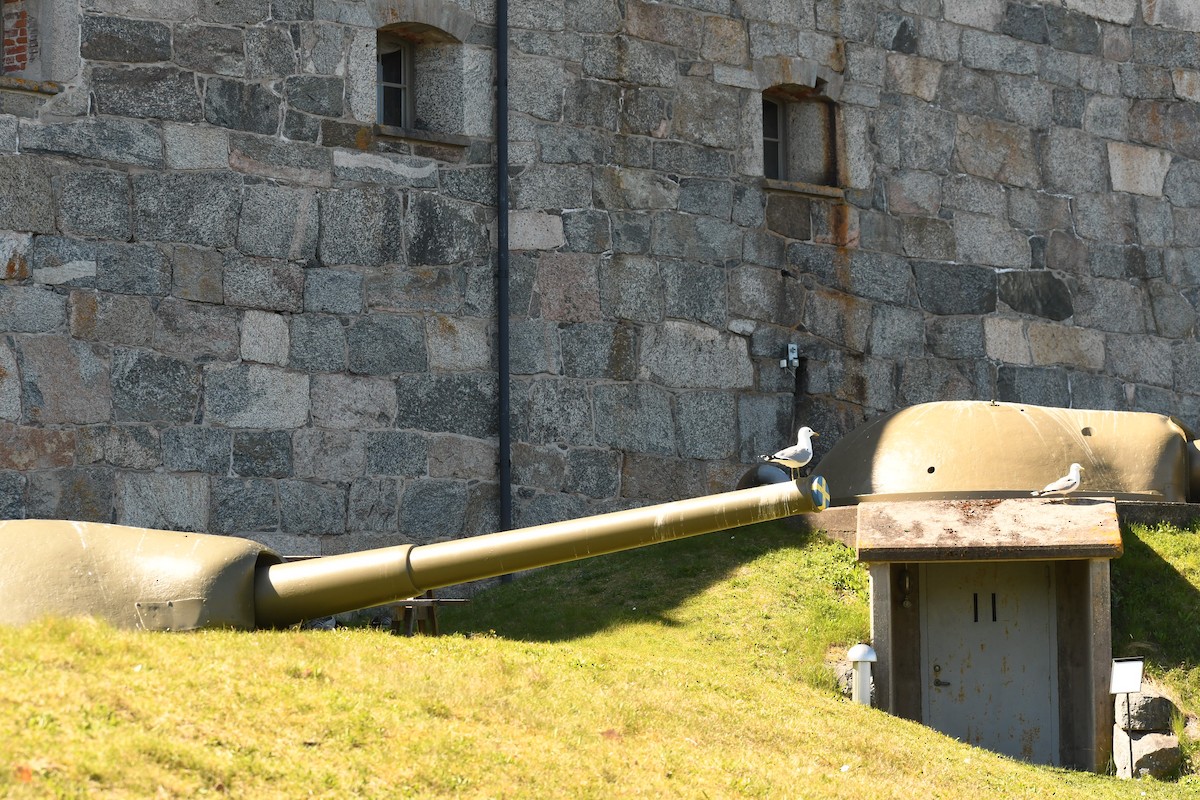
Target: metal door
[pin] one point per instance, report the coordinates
(989, 656)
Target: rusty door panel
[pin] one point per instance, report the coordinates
(989, 660)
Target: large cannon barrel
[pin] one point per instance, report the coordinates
(166, 580)
(288, 592)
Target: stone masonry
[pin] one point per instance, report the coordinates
(231, 303)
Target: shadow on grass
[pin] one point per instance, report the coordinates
(1155, 608)
(579, 598)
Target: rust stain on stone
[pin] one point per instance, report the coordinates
(84, 312)
(17, 268)
(1153, 112)
(27, 85)
(35, 448)
(841, 229)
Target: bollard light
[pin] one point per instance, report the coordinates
(861, 657)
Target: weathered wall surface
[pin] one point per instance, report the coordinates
(230, 304)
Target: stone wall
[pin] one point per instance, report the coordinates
(233, 304)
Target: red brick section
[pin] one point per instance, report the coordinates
(18, 34)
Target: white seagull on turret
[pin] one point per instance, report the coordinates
(802, 451)
(1064, 485)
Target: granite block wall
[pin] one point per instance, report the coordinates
(231, 302)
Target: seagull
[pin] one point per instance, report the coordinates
(1064, 485)
(801, 452)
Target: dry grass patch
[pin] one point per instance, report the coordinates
(689, 670)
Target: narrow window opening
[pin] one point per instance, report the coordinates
(993, 606)
(976, 604)
(395, 82)
(800, 135)
(773, 140)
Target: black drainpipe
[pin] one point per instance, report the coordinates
(502, 299)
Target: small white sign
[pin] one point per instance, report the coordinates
(1126, 675)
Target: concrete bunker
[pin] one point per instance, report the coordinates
(990, 608)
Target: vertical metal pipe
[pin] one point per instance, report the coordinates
(502, 295)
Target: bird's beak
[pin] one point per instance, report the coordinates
(814, 433)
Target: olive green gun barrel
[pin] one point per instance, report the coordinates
(288, 592)
(168, 580)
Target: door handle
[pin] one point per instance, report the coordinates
(937, 680)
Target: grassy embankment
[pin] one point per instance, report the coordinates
(1156, 611)
(692, 669)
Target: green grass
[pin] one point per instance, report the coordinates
(692, 669)
(1156, 607)
(744, 591)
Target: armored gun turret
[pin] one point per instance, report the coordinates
(962, 449)
(166, 580)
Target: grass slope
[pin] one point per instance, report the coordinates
(691, 669)
(1156, 606)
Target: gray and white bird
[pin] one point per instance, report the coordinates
(1064, 485)
(802, 451)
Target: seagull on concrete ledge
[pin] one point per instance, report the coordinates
(801, 452)
(1064, 485)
